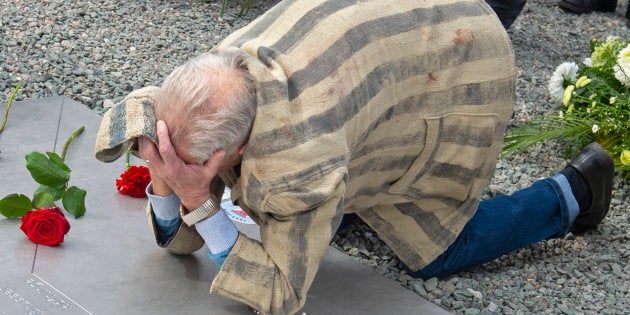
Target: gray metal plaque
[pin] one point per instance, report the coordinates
(30, 294)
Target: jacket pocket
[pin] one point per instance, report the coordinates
(458, 147)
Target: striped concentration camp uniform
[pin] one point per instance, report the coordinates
(393, 110)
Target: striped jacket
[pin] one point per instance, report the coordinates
(394, 110)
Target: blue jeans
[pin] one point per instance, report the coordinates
(505, 223)
(545, 210)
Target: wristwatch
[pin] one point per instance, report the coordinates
(206, 209)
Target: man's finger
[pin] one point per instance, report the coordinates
(147, 150)
(214, 162)
(165, 147)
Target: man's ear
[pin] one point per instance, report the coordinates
(241, 150)
(217, 156)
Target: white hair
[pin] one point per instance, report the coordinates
(208, 104)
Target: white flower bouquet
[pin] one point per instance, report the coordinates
(595, 105)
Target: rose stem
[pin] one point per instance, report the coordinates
(6, 112)
(67, 144)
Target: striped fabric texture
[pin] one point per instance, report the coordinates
(124, 123)
(394, 110)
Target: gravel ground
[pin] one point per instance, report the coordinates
(99, 51)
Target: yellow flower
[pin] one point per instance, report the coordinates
(570, 109)
(582, 82)
(613, 100)
(625, 157)
(567, 95)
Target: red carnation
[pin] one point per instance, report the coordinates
(134, 181)
(46, 226)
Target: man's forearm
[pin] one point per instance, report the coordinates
(218, 231)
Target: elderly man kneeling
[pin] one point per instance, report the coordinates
(392, 112)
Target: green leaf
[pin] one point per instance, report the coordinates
(55, 158)
(547, 128)
(45, 171)
(43, 200)
(74, 201)
(54, 192)
(15, 205)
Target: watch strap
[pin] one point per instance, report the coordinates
(206, 209)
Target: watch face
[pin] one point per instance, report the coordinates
(235, 213)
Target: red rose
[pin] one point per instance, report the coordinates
(46, 226)
(134, 181)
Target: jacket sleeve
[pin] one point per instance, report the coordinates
(186, 240)
(296, 228)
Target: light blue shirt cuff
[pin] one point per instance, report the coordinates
(165, 208)
(218, 231)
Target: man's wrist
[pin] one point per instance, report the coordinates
(207, 209)
(192, 203)
(159, 188)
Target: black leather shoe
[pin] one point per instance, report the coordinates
(597, 168)
(588, 6)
